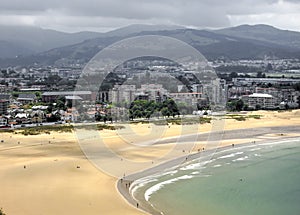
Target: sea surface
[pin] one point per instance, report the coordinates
(250, 179)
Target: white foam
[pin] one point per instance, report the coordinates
(203, 176)
(198, 165)
(138, 184)
(217, 165)
(255, 149)
(146, 180)
(195, 173)
(279, 142)
(160, 185)
(241, 159)
(231, 155)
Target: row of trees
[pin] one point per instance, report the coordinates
(146, 109)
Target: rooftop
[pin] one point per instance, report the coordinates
(261, 95)
(66, 93)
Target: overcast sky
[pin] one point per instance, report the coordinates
(104, 15)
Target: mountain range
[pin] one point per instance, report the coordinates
(25, 46)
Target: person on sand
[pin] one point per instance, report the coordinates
(137, 205)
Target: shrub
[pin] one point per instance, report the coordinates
(1, 212)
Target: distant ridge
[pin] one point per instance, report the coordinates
(136, 28)
(240, 42)
(27, 40)
(264, 33)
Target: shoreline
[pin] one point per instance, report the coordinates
(59, 178)
(123, 185)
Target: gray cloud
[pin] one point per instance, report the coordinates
(73, 15)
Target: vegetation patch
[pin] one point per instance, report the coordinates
(240, 117)
(6, 131)
(183, 121)
(1, 212)
(109, 127)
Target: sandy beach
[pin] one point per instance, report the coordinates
(49, 173)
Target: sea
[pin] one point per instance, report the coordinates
(261, 179)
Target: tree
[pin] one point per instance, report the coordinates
(144, 108)
(233, 75)
(53, 79)
(260, 75)
(239, 105)
(297, 86)
(60, 103)
(50, 108)
(257, 107)
(1, 212)
(165, 112)
(269, 67)
(235, 105)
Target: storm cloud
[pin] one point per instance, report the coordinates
(103, 15)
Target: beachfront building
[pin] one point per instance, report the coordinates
(261, 101)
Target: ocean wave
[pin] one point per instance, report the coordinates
(231, 155)
(241, 159)
(255, 149)
(140, 183)
(195, 173)
(197, 164)
(146, 180)
(279, 142)
(160, 185)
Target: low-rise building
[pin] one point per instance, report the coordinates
(260, 100)
(27, 98)
(53, 96)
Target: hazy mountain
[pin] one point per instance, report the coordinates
(231, 43)
(264, 33)
(215, 45)
(20, 40)
(132, 29)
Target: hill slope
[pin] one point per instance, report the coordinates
(242, 42)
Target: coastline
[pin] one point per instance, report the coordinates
(123, 185)
(52, 183)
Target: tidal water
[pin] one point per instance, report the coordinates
(251, 179)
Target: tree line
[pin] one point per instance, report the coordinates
(146, 109)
